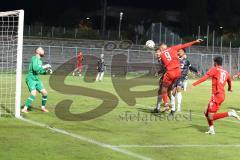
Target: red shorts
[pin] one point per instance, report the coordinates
(215, 102)
(170, 77)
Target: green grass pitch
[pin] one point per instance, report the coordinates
(154, 139)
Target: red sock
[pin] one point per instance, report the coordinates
(165, 98)
(220, 115)
(210, 122)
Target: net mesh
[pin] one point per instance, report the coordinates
(8, 61)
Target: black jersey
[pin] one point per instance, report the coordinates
(185, 67)
(100, 65)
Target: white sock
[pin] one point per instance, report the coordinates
(101, 76)
(25, 108)
(173, 103)
(98, 75)
(159, 100)
(43, 107)
(211, 128)
(230, 114)
(185, 85)
(179, 100)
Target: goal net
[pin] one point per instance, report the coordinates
(11, 41)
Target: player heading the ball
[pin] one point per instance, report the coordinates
(170, 60)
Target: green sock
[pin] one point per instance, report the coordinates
(44, 100)
(29, 101)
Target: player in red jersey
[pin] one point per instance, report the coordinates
(219, 79)
(78, 64)
(170, 60)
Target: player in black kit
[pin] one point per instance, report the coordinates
(179, 84)
(100, 68)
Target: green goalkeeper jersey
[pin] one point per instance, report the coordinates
(35, 68)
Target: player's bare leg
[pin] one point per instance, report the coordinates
(164, 94)
(44, 100)
(158, 104)
(29, 101)
(159, 99)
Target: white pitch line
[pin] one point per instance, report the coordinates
(89, 140)
(119, 148)
(178, 146)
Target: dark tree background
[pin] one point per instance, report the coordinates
(193, 13)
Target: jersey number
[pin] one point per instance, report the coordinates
(168, 56)
(223, 77)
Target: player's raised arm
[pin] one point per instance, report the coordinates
(204, 78)
(181, 46)
(191, 68)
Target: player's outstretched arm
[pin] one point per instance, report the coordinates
(204, 78)
(181, 46)
(194, 70)
(191, 68)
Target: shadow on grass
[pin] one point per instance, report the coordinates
(200, 128)
(150, 111)
(235, 108)
(35, 109)
(145, 110)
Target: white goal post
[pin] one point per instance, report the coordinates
(11, 47)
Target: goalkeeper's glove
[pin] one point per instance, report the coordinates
(47, 66)
(50, 71)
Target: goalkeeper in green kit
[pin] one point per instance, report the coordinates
(33, 81)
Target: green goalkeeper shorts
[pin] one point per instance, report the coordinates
(34, 85)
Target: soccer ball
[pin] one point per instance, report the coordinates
(150, 44)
